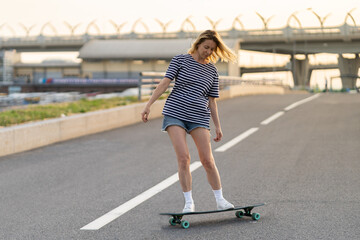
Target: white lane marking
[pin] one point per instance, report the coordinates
(294, 105)
(236, 140)
(272, 118)
(117, 212)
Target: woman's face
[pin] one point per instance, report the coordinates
(206, 48)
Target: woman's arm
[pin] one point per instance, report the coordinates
(160, 89)
(215, 118)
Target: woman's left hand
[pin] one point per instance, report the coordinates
(219, 135)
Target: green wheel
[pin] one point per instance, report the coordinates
(185, 224)
(255, 216)
(239, 214)
(172, 221)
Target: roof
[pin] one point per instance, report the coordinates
(137, 48)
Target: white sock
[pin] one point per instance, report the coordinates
(188, 197)
(218, 194)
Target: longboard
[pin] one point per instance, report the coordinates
(240, 212)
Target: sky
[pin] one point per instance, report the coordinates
(35, 14)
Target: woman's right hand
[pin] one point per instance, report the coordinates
(160, 89)
(145, 114)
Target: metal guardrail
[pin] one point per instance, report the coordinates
(149, 80)
(225, 81)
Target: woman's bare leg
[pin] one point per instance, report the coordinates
(201, 138)
(178, 138)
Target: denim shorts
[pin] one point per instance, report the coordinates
(187, 126)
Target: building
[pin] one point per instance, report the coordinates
(125, 59)
(36, 72)
(105, 60)
(7, 61)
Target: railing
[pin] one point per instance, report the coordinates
(149, 80)
(225, 81)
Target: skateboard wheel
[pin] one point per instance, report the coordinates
(255, 216)
(239, 214)
(172, 221)
(185, 224)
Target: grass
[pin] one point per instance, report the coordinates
(42, 112)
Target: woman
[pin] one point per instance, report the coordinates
(189, 107)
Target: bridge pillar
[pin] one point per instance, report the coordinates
(348, 70)
(234, 68)
(301, 71)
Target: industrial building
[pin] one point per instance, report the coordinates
(111, 59)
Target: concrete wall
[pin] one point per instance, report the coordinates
(121, 69)
(243, 90)
(33, 135)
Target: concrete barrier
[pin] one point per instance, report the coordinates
(243, 90)
(33, 135)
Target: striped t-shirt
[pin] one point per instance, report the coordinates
(194, 83)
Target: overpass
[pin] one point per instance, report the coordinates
(291, 41)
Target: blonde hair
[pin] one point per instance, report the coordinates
(222, 51)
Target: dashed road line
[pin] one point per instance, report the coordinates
(298, 103)
(236, 140)
(247, 133)
(272, 118)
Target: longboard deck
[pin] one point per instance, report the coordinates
(214, 211)
(240, 212)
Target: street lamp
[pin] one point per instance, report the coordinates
(187, 20)
(51, 27)
(265, 21)
(72, 28)
(95, 26)
(321, 20)
(9, 27)
(349, 15)
(139, 21)
(27, 29)
(213, 24)
(117, 27)
(293, 15)
(164, 26)
(237, 20)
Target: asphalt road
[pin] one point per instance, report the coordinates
(305, 165)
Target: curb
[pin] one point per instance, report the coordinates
(29, 136)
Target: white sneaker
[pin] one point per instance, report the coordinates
(222, 204)
(189, 207)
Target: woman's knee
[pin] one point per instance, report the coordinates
(208, 163)
(184, 161)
